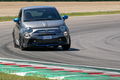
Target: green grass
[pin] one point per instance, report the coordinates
(4, 76)
(9, 18)
(91, 13)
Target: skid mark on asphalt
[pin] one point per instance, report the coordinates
(56, 71)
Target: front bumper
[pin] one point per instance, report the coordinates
(38, 42)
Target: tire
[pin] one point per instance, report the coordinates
(14, 41)
(15, 45)
(67, 46)
(22, 47)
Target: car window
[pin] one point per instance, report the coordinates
(41, 14)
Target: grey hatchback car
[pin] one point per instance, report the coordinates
(40, 26)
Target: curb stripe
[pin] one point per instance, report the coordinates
(61, 64)
(96, 73)
(60, 69)
(25, 65)
(76, 71)
(40, 67)
(114, 75)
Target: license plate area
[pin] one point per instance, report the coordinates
(47, 37)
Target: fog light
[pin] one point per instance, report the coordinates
(27, 35)
(65, 33)
(60, 39)
(34, 41)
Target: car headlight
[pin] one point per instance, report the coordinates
(28, 29)
(27, 35)
(62, 28)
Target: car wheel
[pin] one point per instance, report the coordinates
(67, 46)
(14, 42)
(22, 47)
(15, 45)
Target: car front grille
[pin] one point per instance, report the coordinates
(47, 32)
(52, 41)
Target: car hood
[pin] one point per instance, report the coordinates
(37, 24)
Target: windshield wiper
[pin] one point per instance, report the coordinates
(46, 19)
(41, 19)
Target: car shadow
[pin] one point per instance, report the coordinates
(51, 49)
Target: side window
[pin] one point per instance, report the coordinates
(20, 14)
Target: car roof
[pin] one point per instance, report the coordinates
(32, 7)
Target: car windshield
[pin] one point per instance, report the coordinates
(38, 14)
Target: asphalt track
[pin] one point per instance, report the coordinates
(95, 42)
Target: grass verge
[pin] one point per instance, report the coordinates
(91, 13)
(9, 18)
(4, 76)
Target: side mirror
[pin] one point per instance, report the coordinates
(65, 17)
(16, 20)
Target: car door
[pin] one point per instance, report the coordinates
(18, 27)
